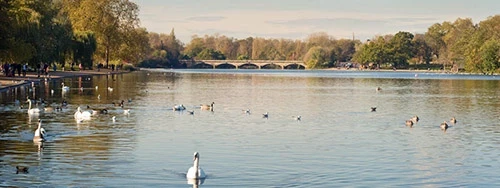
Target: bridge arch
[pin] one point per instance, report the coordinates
(202, 65)
(225, 66)
(294, 66)
(248, 66)
(271, 66)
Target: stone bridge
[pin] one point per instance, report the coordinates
(244, 64)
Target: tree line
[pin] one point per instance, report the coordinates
(86, 32)
(451, 45)
(91, 32)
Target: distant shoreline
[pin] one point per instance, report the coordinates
(12, 82)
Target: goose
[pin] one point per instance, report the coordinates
(374, 109)
(207, 106)
(453, 120)
(39, 133)
(444, 126)
(265, 115)
(64, 88)
(409, 123)
(179, 107)
(32, 111)
(415, 119)
(196, 172)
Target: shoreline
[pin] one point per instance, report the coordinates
(7, 83)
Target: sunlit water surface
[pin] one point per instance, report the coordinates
(338, 142)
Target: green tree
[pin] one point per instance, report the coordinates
(316, 58)
(401, 48)
(110, 20)
(210, 54)
(490, 56)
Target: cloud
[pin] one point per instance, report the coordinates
(292, 24)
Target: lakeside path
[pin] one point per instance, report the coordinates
(10, 82)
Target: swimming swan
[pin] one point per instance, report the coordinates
(195, 172)
(32, 110)
(82, 115)
(64, 88)
(39, 133)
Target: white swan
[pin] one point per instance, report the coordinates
(39, 133)
(82, 115)
(64, 88)
(113, 119)
(195, 172)
(126, 112)
(110, 89)
(32, 111)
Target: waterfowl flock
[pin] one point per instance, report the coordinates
(195, 171)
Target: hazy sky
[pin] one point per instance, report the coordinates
(296, 19)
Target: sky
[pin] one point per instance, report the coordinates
(297, 19)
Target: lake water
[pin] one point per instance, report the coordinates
(339, 142)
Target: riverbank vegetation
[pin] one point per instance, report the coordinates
(102, 32)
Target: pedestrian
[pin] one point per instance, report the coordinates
(25, 68)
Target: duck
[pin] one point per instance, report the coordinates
(415, 119)
(207, 106)
(21, 169)
(247, 111)
(196, 172)
(378, 89)
(39, 133)
(190, 112)
(453, 120)
(409, 123)
(32, 111)
(374, 109)
(179, 107)
(265, 115)
(298, 118)
(444, 126)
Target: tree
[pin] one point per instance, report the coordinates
(84, 46)
(210, 54)
(401, 48)
(316, 57)
(490, 56)
(422, 51)
(110, 20)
